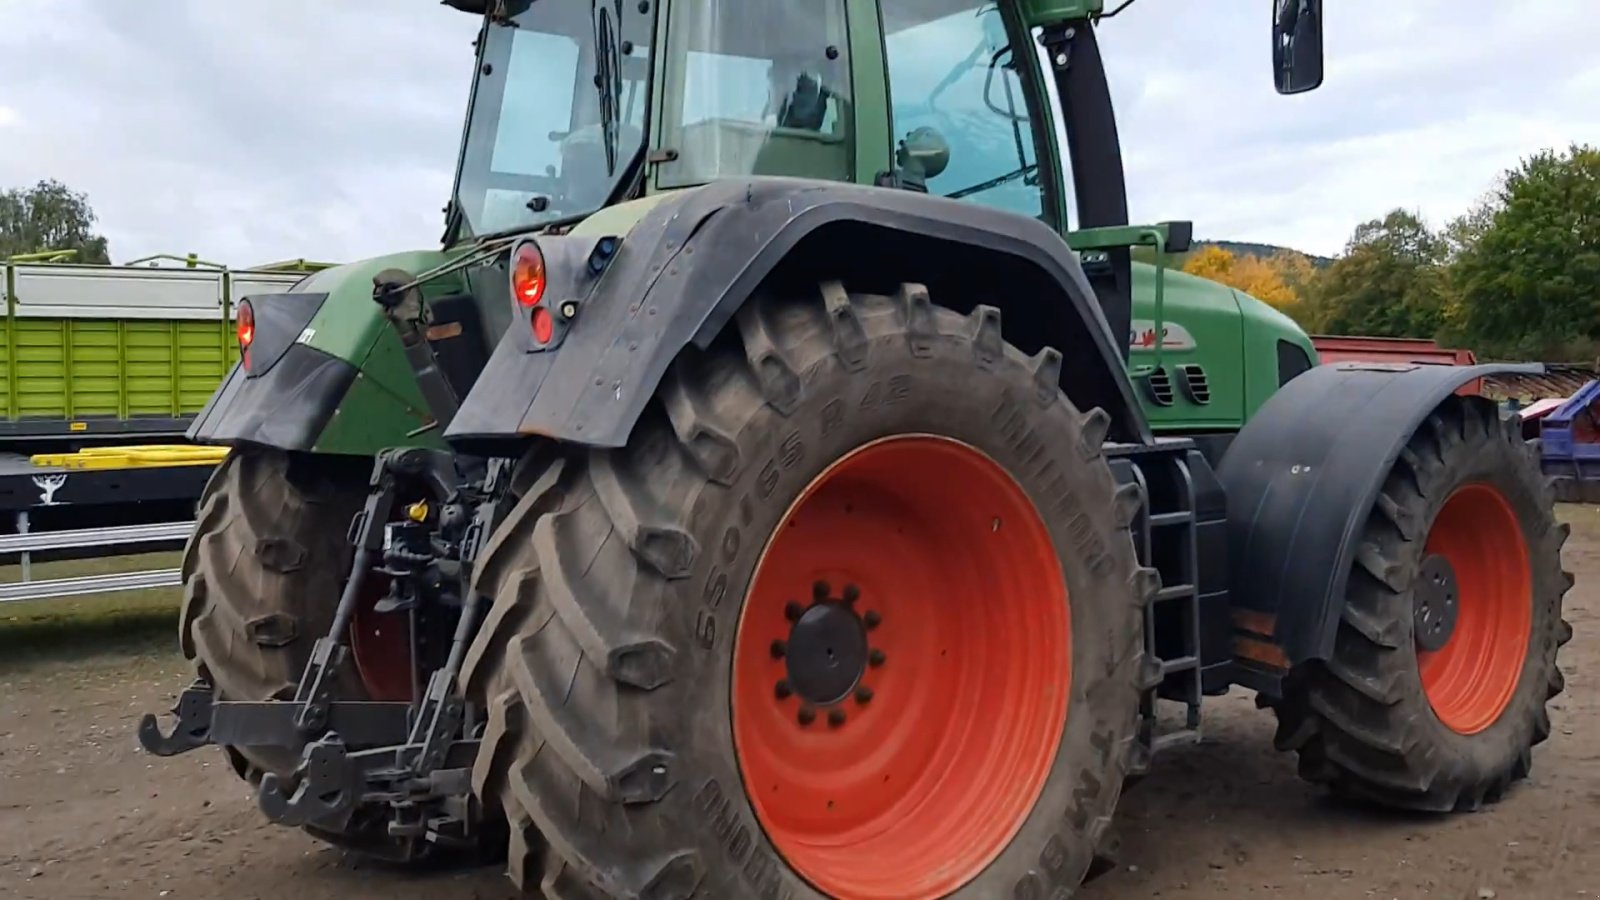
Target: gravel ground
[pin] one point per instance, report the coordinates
(85, 813)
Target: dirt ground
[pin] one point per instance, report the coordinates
(85, 813)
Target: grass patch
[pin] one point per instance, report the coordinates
(66, 628)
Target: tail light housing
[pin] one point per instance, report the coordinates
(244, 326)
(528, 283)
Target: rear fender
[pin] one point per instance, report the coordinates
(328, 373)
(1302, 477)
(691, 260)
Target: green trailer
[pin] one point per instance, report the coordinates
(102, 369)
(94, 354)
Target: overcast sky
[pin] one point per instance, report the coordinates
(254, 130)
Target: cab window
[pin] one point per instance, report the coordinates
(761, 87)
(975, 108)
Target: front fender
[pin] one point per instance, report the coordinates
(1301, 479)
(692, 259)
(337, 380)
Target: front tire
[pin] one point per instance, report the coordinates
(1445, 656)
(630, 661)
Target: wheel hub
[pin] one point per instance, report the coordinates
(826, 654)
(1436, 602)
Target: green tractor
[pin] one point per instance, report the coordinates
(764, 493)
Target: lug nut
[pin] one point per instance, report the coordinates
(851, 594)
(807, 715)
(835, 717)
(872, 618)
(863, 694)
(793, 611)
(779, 649)
(782, 690)
(876, 658)
(820, 590)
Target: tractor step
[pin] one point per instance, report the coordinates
(1166, 537)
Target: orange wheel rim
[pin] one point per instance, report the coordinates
(902, 670)
(1470, 679)
(380, 644)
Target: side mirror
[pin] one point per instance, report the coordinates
(924, 153)
(1297, 45)
(1180, 236)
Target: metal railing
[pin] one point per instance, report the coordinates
(27, 543)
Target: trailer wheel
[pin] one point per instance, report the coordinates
(854, 612)
(262, 575)
(1445, 657)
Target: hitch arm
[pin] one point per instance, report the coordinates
(193, 730)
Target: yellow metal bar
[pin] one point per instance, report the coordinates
(133, 456)
(43, 256)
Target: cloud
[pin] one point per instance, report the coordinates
(1424, 104)
(266, 129)
(244, 132)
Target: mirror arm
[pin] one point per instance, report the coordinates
(1166, 237)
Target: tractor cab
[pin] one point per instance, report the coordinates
(580, 107)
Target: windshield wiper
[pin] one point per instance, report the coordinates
(535, 228)
(995, 182)
(608, 82)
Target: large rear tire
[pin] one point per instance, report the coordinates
(1445, 656)
(855, 612)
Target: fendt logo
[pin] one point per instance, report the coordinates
(1142, 336)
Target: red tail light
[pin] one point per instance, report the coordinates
(245, 323)
(527, 274)
(544, 325)
(245, 328)
(528, 285)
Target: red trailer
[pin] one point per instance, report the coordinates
(1333, 348)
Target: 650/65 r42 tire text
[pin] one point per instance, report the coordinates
(855, 613)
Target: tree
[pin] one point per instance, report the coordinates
(49, 216)
(1211, 262)
(1525, 282)
(1295, 268)
(1388, 283)
(1264, 279)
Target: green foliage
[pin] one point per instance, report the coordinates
(1515, 277)
(1273, 280)
(49, 216)
(1388, 283)
(1525, 278)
